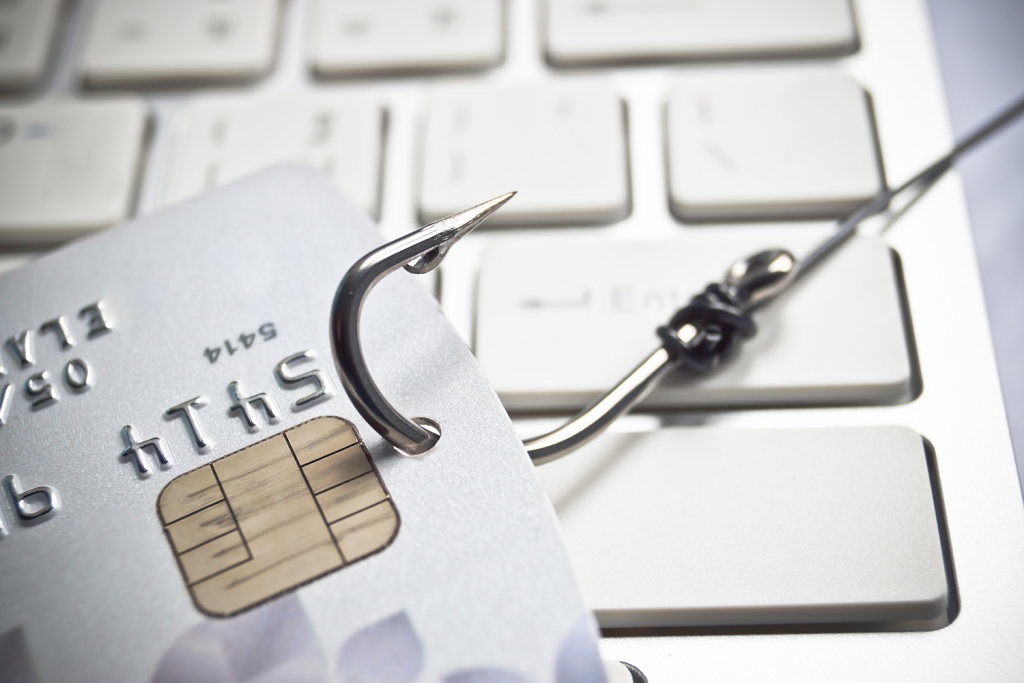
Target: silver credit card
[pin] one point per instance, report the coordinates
(189, 494)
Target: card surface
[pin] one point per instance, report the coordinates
(189, 494)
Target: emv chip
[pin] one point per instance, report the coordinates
(275, 515)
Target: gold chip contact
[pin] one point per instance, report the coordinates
(275, 515)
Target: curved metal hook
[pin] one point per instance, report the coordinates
(419, 252)
(749, 284)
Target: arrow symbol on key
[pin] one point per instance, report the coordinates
(582, 302)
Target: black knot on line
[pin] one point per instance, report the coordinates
(721, 325)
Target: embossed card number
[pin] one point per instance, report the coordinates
(275, 515)
(267, 331)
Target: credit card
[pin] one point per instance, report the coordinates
(190, 495)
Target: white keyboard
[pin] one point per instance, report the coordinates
(839, 501)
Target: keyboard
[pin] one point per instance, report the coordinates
(838, 501)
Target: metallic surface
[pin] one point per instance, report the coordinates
(601, 414)
(323, 386)
(913, 188)
(755, 280)
(418, 253)
(60, 327)
(982, 59)
(77, 374)
(38, 386)
(136, 452)
(5, 403)
(188, 409)
(245, 406)
(27, 504)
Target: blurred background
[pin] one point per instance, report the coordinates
(982, 53)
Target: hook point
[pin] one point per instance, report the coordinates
(453, 228)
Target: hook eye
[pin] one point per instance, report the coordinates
(763, 276)
(432, 428)
(418, 252)
(426, 263)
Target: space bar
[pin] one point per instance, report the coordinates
(711, 526)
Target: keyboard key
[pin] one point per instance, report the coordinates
(770, 144)
(26, 32)
(67, 168)
(562, 147)
(386, 36)
(221, 138)
(602, 31)
(739, 527)
(559, 322)
(143, 42)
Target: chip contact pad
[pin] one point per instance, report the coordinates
(275, 515)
